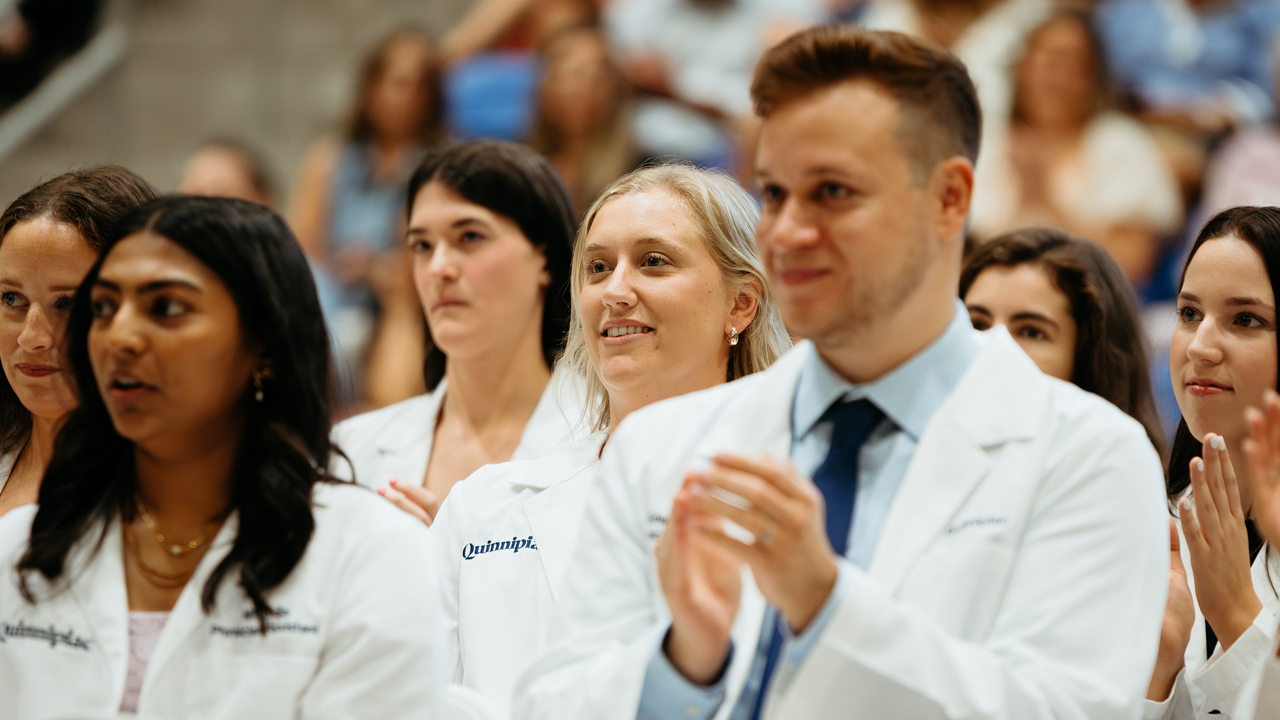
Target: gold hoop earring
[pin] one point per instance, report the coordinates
(733, 336)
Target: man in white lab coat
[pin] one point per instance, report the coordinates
(902, 518)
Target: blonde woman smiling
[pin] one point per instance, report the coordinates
(668, 298)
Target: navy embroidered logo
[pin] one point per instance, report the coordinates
(23, 631)
(515, 545)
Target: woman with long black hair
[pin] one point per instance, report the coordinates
(1222, 609)
(190, 556)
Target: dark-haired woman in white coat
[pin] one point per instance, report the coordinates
(491, 228)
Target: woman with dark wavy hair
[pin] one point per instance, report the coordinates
(49, 237)
(190, 554)
(1069, 306)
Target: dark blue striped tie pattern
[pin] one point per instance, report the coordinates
(837, 477)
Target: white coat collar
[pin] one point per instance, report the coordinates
(103, 599)
(416, 425)
(559, 467)
(999, 400)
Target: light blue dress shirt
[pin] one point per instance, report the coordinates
(908, 396)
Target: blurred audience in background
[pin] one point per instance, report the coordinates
(491, 63)
(692, 62)
(988, 36)
(1246, 169)
(37, 34)
(228, 168)
(582, 124)
(1192, 69)
(514, 25)
(1101, 119)
(1072, 162)
(348, 202)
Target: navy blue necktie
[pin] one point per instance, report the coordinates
(837, 478)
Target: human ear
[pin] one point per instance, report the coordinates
(951, 188)
(744, 304)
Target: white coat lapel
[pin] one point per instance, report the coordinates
(405, 445)
(98, 589)
(187, 613)
(757, 420)
(994, 403)
(554, 517)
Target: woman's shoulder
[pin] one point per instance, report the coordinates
(349, 516)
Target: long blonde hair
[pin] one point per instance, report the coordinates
(725, 216)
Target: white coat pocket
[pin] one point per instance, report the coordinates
(974, 571)
(246, 686)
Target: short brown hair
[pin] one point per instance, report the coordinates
(941, 117)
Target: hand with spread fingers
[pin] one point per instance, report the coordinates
(1219, 544)
(791, 559)
(1262, 450)
(417, 501)
(703, 587)
(1179, 619)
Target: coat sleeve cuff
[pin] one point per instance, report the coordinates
(1223, 678)
(1152, 710)
(668, 694)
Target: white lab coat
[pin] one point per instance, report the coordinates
(1021, 572)
(1223, 683)
(1267, 702)
(359, 635)
(394, 442)
(501, 600)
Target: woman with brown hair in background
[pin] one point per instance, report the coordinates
(583, 122)
(350, 191)
(1070, 161)
(49, 238)
(1066, 302)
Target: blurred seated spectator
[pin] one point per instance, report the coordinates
(491, 67)
(230, 169)
(348, 206)
(1246, 168)
(514, 25)
(1204, 64)
(987, 35)
(1193, 69)
(693, 60)
(35, 35)
(583, 122)
(1073, 164)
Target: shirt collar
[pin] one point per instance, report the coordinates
(908, 395)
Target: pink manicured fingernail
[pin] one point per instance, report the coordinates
(382, 492)
(393, 482)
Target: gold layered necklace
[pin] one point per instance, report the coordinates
(175, 549)
(158, 578)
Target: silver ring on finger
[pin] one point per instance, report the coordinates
(767, 536)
